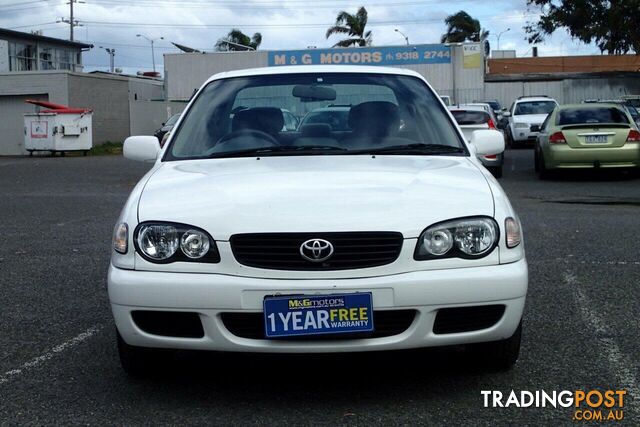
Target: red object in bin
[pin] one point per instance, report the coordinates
(58, 108)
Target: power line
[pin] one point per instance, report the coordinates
(32, 25)
(22, 3)
(265, 6)
(348, 3)
(249, 25)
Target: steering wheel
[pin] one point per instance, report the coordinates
(244, 133)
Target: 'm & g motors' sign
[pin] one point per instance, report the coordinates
(393, 55)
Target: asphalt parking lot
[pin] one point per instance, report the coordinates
(59, 364)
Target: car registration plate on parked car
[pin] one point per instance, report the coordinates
(299, 315)
(596, 139)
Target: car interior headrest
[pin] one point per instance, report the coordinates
(265, 119)
(374, 118)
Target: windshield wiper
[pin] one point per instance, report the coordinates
(416, 148)
(261, 151)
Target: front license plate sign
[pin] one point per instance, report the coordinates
(596, 139)
(299, 315)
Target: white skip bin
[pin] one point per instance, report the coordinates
(58, 128)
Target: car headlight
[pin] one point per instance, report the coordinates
(168, 242)
(194, 244)
(522, 125)
(461, 238)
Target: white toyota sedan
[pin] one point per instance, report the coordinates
(248, 237)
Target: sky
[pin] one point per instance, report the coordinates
(288, 24)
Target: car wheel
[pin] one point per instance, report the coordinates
(543, 172)
(536, 160)
(499, 355)
(497, 171)
(138, 362)
(509, 139)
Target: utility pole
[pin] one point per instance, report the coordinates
(71, 21)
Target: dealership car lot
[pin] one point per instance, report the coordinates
(58, 363)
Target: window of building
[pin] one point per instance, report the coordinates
(22, 57)
(65, 59)
(46, 59)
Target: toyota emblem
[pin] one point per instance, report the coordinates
(316, 250)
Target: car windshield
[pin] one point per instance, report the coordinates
(386, 114)
(534, 107)
(172, 120)
(577, 116)
(470, 117)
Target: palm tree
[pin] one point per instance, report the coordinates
(236, 40)
(353, 25)
(463, 27)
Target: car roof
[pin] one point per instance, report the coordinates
(535, 99)
(483, 105)
(467, 107)
(303, 69)
(590, 105)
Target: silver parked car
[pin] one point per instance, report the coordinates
(476, 117)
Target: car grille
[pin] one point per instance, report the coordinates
(386, 323)
(281, 251)
(467, 319)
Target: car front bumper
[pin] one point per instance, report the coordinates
(211, 295)
(563, 156)
(523, 135)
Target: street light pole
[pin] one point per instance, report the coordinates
(153, 54)
(403, 35)
(454, 88)
(500, 35)
(112, 61)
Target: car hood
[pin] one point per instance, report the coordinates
(315, 193)
(534, 119)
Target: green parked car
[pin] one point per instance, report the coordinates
(587, 136)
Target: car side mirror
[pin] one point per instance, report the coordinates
(535, 128)
(141, 148)
(487, 142)
(506, 114)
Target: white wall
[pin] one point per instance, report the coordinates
(565, 90)
(145, 117)
(185, 72)
(12, 108)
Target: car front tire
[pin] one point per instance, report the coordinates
(499, 355)
(509, 138)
